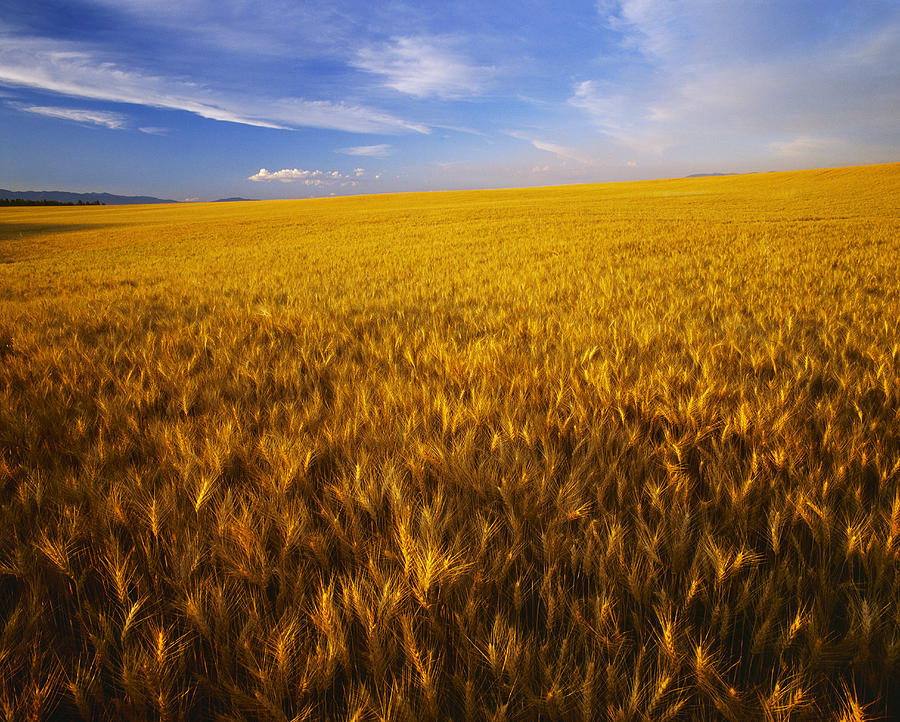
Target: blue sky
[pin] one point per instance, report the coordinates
(285, 99)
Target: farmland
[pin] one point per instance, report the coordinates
(620, 451)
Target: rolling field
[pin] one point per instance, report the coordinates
(625, 451)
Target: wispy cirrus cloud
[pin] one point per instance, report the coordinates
(802, 145)
(423, 67)
(708, 73)
(381, 150)
(102, 118)
(558, 150)
(634, 121)
(274, 28)
(306, 177)
(69, 69)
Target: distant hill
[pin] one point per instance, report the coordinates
(108, 199)
(231, 200)
(707, 175)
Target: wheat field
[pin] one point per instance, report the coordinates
(623, 451)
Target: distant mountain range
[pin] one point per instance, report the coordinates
(64, 197)
(109, 199)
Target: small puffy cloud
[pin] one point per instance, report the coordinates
(305, 177)
(102, 118)
(382, 150)
(151, 130)
(424, 66)
(631, 164)
(358, 172)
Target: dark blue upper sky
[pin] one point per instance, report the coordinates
(273, 98)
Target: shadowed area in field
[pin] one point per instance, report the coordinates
(28, 241)
(16, 231)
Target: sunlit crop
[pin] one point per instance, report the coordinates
(625, 452)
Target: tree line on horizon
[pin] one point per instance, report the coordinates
(22, 202)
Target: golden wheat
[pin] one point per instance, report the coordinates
(626, 451)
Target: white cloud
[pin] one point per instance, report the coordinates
(560, 151)
(741, 76)
(382, 150)
(461, 129)
(359, 172)
(424, 67)
(692, 31)
(152, 130)
(68, 69)
(802, 146)
(627, 120)
(305, 177)
(105, 119)
(275, 28)
(611, 110)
